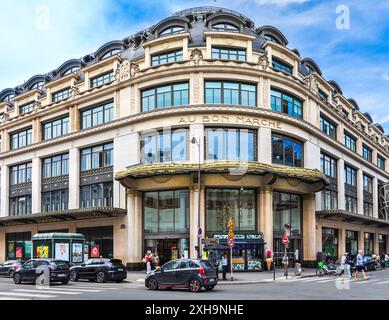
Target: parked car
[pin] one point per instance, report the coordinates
(99, 270)
(183, 273)
(9, 267)
(32, 269)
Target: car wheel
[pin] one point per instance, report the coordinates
(100, 277)
(209, 288)
(17, 278)
(11, 273)
(74, 276)
(194, 285)
(152, 284)
(65, 281)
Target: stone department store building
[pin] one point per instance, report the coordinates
(110, 146)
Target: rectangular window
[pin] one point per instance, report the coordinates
(234, 93)
(380, 162)
(368, 209)
(21, 139)
(61, 95)
(97, 157)
(166, 211)
(97, 195)
(367, 184)
(164, 146)
(55, 128)
(352, 242)
(350, 176)
(367, 153)
(165, 96)
(322, 95)
(350, 142)
(20, 174)
(328, 166)
(102, 79)
(97, 115)
(223, 204)
(282, 66)
(26, 108)
(286, 103)
(329, 200)
(20, 205)
(368, 244)
(287, 151)
(351, 204)
(168, 57)
(53, 201)
(327, 127)
(231, 144)
(330, 241)
(287, 209)
(228, 54)
(56, 166)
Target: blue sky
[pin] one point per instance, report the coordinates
(37, 36)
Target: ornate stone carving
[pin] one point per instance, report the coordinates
(311, 83)
(134, 69)
(263, 61)
(37, 106)
(196, 88)
(75, 91)
(123, 71)
(196, 55)
(161, 179)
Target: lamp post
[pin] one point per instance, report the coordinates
(195, 141)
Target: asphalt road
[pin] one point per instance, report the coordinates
(315, 288)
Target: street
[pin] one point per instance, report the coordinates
(316, 288)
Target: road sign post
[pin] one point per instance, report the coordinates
(285, 260)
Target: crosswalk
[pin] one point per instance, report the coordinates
(333, 279)
(73, 291)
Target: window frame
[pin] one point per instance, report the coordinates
(178, 55)
(226, 27)
(324, 121)
(325, 161)
(102, 156)
(367, 153)
(61, 95)
(64, 159)
(102, 79)
(353, 173)
(231, 51)
(280, 65)
(294, 141)
(27, 131)
(26, 108)
(382, 159)
(352, 141)
(63, 200)
(15, 172)
(107, 107)
(51, 123)
(295, 99)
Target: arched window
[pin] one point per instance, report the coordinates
(71, 70)
(110, 53)
(172, 30)
(271, 38)
(225, 27)
(8, 98)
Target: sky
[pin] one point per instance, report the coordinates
(37, 36)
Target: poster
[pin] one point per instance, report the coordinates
(19, 252)
(86, 252)
(42, 252)
(11, 250)
(77, 252)
(95, 251)
(62, 251)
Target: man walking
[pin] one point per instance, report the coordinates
(360, 266)
(345, 266)
(224, 266)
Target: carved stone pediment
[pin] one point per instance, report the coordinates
(263, 61)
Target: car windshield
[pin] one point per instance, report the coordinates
(90, 261)
(59, 263)
(207, 265)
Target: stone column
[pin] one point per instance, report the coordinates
(361, 240)
(194, 223)
(360, 191)
(134, 230)
(309, 229)
(264, 147)
(375, 197)
(341, 192)
(4, 189)
(376, 243)
(36, 185)
(74, 178)
(266, 214)
(2, 246)
(120, 238)
(341, 241)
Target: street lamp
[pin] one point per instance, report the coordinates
(195, 141)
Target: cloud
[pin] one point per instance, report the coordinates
(280, 2)
(385, 76)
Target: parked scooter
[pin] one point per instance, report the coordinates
(331, 269)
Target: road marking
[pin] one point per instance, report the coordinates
(5, 298)
(81, 290)
(382, 282)
(90, 287)
(328, 280)
(50, 291)
(31, 295)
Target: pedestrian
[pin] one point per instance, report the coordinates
(360, 266)
(148, 262)
(152, 261)
(224, 266)
(345, 265)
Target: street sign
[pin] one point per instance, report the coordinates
(208, 241)
(231, 242)
(285, 241)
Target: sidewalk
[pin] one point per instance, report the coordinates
(239, 277)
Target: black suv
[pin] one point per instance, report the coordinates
(32, 269)
(183, 273)
(100, 270)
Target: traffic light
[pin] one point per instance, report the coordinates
(287, 231)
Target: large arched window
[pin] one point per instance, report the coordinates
(172, 30)
(37, 85)
(225, 27)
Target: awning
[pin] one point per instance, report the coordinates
(351, 217)
(231, 167)
(59, 236)
(62, 216)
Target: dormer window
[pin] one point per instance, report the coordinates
(225, 27)
(322, 95)
(110, 54)
(167, 57)
(282, 66)
(172, 30)
(38, 85)
(26, 108)
(8, 98)
(269, 37)
(71, 70)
